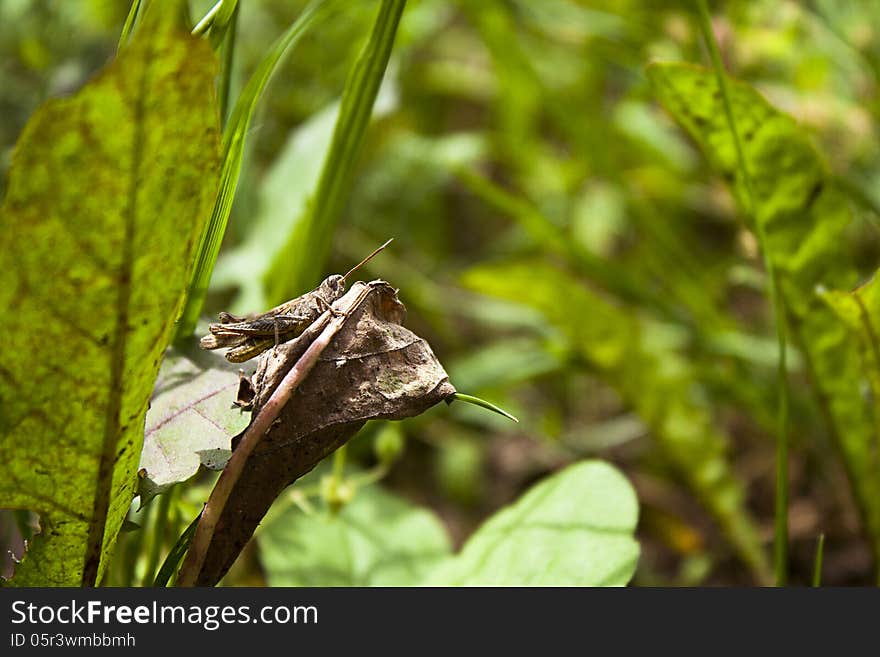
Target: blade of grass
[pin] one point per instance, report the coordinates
(158, 531)
(482, 403)
(169, 566)
(129, 23)
(227, 62)
(132, 548)
(207, 20)
(780, 544)
(220, 25)
(233, 150)
(311, 242)
(217, 22)
(817, 563)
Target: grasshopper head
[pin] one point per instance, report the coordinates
(332, 288)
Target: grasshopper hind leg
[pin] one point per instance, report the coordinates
(250, 349)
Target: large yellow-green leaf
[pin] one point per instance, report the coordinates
(804, 216)
(108, 192)
(649, 376)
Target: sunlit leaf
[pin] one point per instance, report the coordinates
(108, 192)
(804, 216)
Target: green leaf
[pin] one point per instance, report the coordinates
(655, 381)
(860, 312)
(574, 528)
(191, 420)
(377, 539)
(804, 216)
(108, 192)
(233, 151)
(311, 240)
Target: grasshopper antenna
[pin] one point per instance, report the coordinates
(367, 259)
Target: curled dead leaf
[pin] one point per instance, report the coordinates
(371, 367)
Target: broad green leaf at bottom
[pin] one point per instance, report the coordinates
(574, 528)
(377, 539)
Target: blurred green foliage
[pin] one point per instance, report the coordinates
(565, 247)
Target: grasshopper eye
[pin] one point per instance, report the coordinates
(336, 283)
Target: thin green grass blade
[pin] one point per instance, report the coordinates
(218, 22)
(780, 543)
(169, 566)
(157, 533)
(226, 42)
(482, 403)
(311, 240)
(207, 21)
(817, 562)
(128, 26)
(233, 150)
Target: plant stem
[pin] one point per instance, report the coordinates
(817, 563)
(780, 545)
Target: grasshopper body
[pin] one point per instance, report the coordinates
(247, 337)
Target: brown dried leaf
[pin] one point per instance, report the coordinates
(373, 368)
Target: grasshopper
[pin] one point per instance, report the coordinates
(248, 337)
